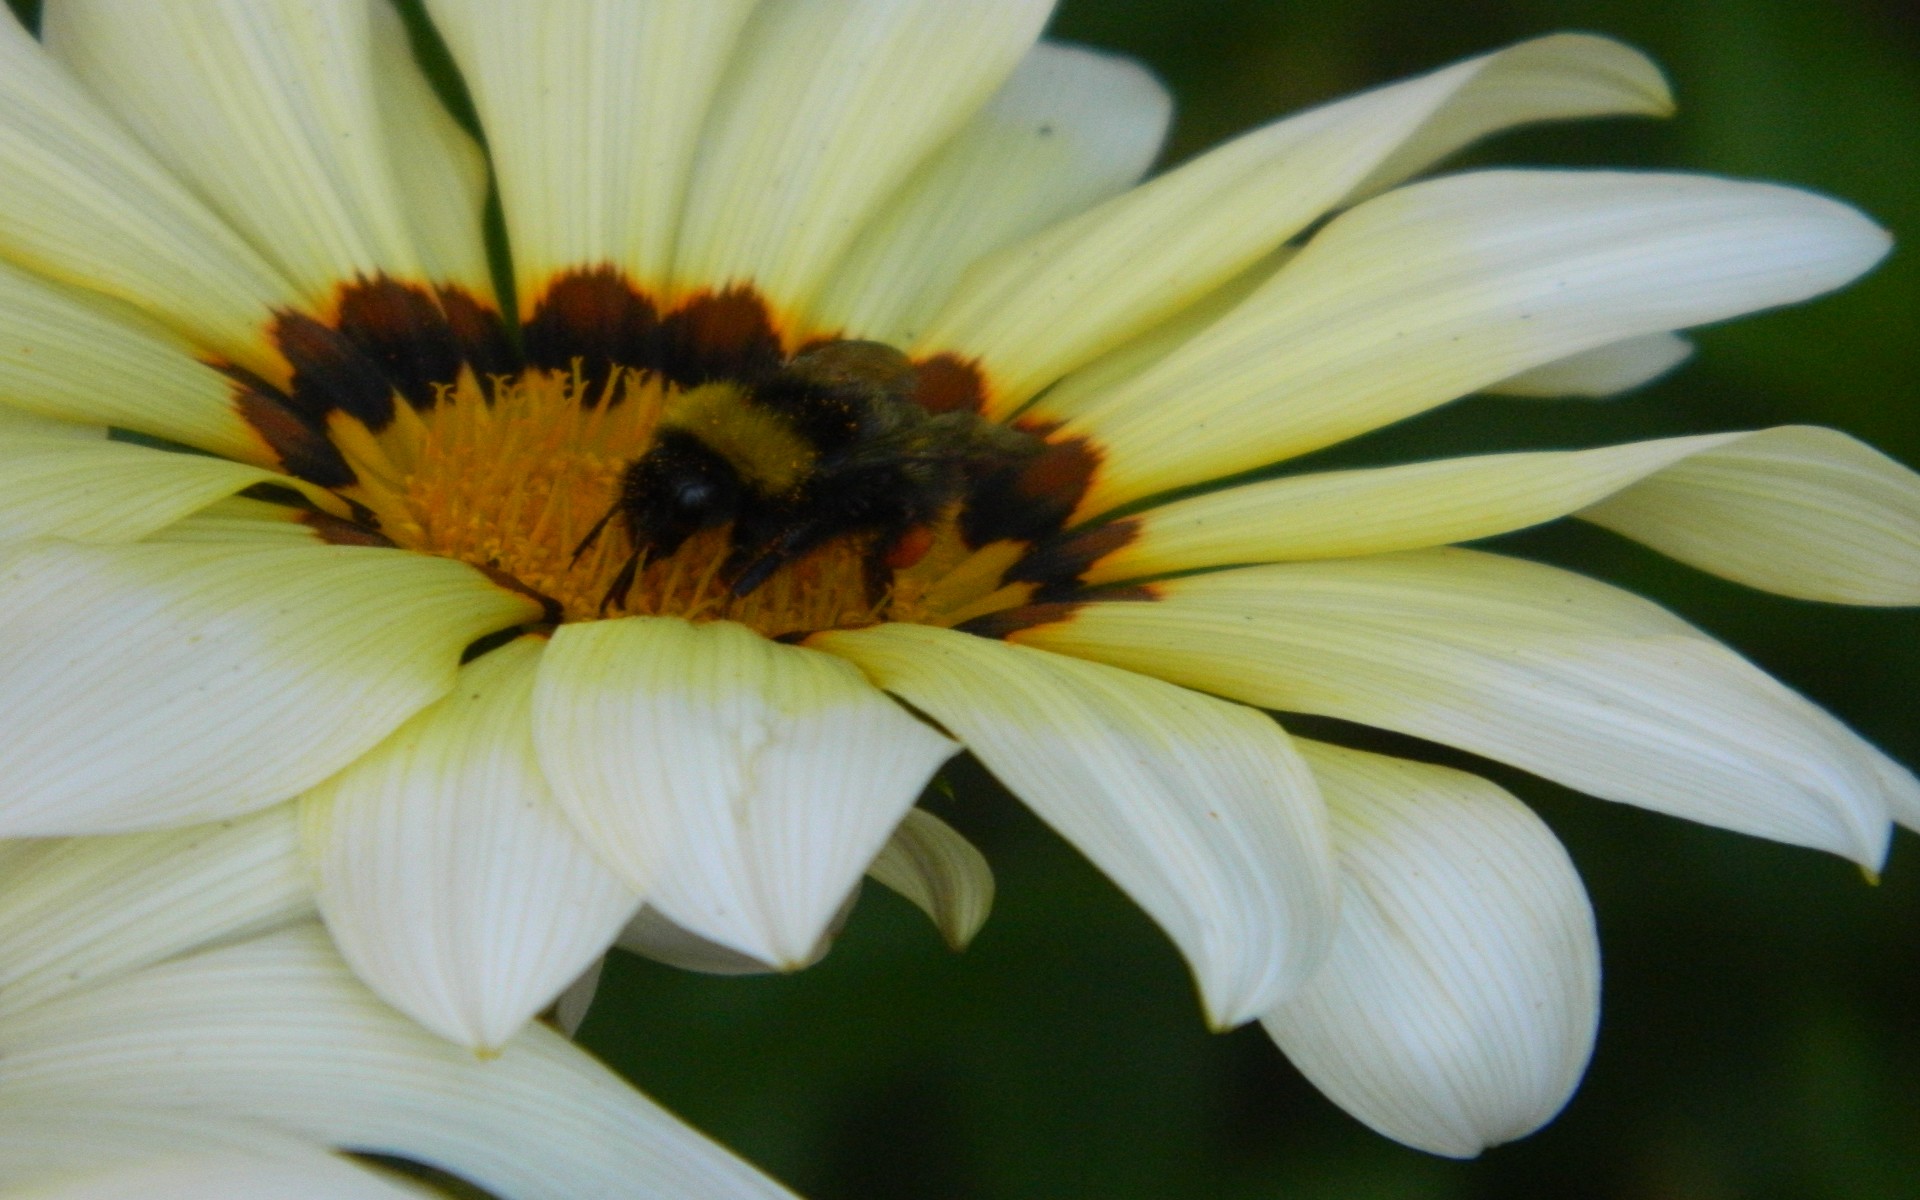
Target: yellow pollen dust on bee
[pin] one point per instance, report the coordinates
(515, 482)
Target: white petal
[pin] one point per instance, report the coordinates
(439, 171)
(742, 785)
(164, 684)
(267, 109)
(1441, 288)
(1345, 514)
(571, 1009)
(828, 105)
(226, 1177)
(1603, 372)
(1458, 1008)
(1797, 510)
(1199, 809)
(278, 1030)
(1041, 307)
(448, 877)
(45, 1139)
(107, 491)
(78, 911)
(1555, 673)
(73, 1152)
(1069, 128)
(651, 935)
(1562, 76)
(928, 862)
(19, 423)
(81, 201)
(80, 356)
(592, 111)
(239, 521)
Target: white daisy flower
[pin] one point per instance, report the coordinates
(845, 406)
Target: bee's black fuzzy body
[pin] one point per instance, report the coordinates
(829, 445)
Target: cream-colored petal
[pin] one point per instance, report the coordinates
(929, 863)
(19, 423)
(1043, 306)
(1068, 129)
(91, 1152)
(150, 685)
(79, 356)
(232, 1176)
(439, 171)
(826, 108)
(82, 202)
(1798, 510)
(1343, 514)
(592, 110)
(1558, 674)
(278, 1030)
(1200, 810)
(652, 935)
(38, 1140)
(1563, 76)
(742, 785)
(267, 109)
(78, 911)
(1600, 373)
(1087, 384)
(570, 1010)
(447, 875)
(1441, 288)
(1458, 1007)
(239, 521)
(101, 491)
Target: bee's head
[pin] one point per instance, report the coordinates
(675, 490)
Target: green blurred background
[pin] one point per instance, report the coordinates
(1759, 1034)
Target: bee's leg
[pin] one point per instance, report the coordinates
(758, 571)
(622, 583)
(593, 535)
(749, 570)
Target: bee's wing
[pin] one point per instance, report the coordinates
(948, 438)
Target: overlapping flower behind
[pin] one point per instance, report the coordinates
(406, 579)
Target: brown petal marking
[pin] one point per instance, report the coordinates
(1008, 623)
(948, 383)
(725, 335)
(1063, 560)
(304, 451)
(330, 373)
(594, 317)
(599, 319)
(1031, 502)
(400, 328)
(336, 532)
(479, 332)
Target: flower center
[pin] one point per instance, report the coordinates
(625, 460)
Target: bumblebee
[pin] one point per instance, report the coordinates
(828, 445)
